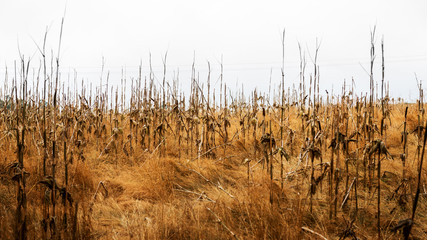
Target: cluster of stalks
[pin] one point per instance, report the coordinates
(349, 130)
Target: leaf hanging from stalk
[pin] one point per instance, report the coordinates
(282, 153)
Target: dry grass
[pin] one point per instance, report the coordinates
(152, 197)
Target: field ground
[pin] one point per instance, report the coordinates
(125, 186)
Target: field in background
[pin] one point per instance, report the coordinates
(281, 165)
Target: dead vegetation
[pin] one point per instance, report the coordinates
(166, 165)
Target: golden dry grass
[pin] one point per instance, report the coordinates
(148, 196)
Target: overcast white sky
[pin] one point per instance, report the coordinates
(246, 33)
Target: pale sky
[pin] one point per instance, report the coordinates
(246, 33)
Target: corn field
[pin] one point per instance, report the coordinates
(292, 163)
